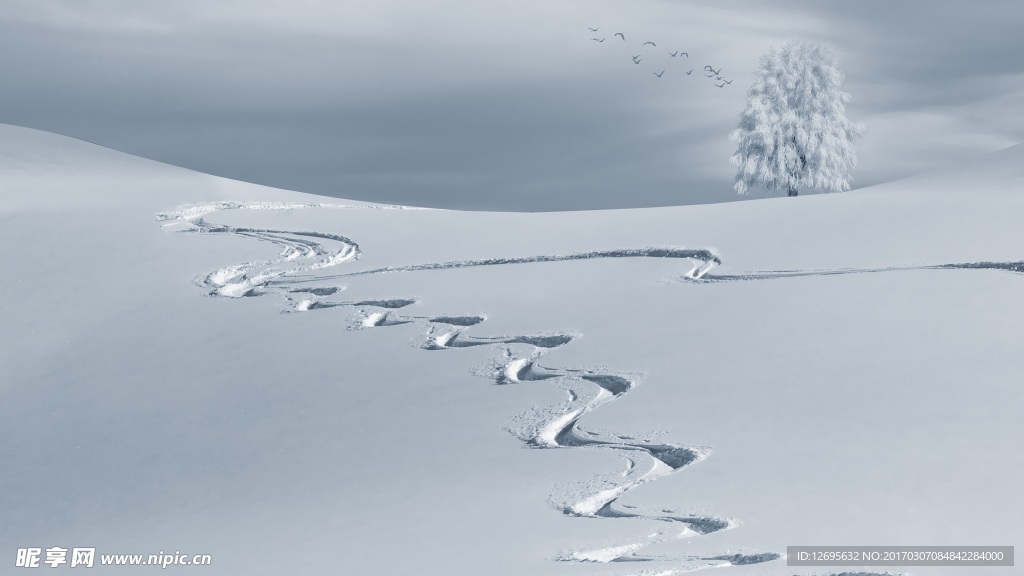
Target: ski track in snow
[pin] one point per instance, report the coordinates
(1014, 267)
(294, 275)
(706, 258)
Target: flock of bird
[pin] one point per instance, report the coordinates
(709, 71)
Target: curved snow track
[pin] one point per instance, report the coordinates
(296, 276)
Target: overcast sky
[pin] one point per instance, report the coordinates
(497, 104)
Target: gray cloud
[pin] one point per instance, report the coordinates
(498, 105)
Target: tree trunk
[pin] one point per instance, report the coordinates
(803, 167)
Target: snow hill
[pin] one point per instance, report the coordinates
(301, 385)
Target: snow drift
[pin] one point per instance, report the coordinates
(299, 385)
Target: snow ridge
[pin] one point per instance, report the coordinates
(297, 277)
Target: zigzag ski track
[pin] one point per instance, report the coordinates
(297, 276)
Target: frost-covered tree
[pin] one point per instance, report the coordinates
(794, 133)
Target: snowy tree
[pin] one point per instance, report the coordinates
(794, 133)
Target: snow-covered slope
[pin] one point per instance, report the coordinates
(295, 384)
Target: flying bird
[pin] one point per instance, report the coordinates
(636, 60)
(690, 72)
(648, 42)
(726, 81)
(674, 54)
(621, 34)
(685, 54)
(713, 71)
(658, 74)
(720, 85)
(592, 29)
(598, 39)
